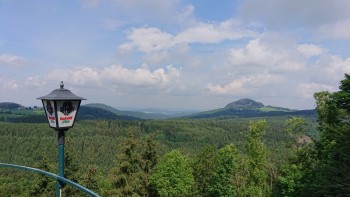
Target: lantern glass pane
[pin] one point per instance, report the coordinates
(66, 112)
(50, 112)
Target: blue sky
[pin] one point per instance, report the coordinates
(172, 53)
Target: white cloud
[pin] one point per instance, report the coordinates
(207, 33)
(12, 60)
(157, 57)
(147, 39)
(151, 39)
(330, 69)
(336, 30)
(272, 56)
(311, 50)
(186, 16)
(9, 84)
(163, 79)
(307, 90)
(35, 82)
(246, 85)
(141, 76)
(82, 76)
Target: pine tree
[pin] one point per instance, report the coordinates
(128, 177)
(150, 154)
(150, 159)
(43, 185)
(90, 179)
(71, 171)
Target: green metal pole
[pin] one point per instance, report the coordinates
(60, 184)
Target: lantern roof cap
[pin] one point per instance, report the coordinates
(61, 94)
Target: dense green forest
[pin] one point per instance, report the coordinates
(273, 156)
(98, 145)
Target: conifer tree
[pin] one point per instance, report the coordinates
(323, 169)
(72, 171)
(330, 175)
(90, 179)
(150, 160)
(43, 185)
(149, 154)
(128, 177)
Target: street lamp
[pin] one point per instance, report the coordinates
(61, 108)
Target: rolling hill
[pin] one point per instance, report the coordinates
(90, 113)
(10, 106)
(245, 108)
(137, 114)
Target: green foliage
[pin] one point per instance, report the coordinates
(322, 169)
(72, 171)
(128, 177)
(343, 96)
(14, 183)
(297, 156)
(328, 113)
(296, 125)
(255, 163)
(150, 154)
(90, 179)
(222, 179)
(43, 185)
(173, 175)
(94, 144)
(205, 167)
(290, 180)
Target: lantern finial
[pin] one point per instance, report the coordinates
(62, 85)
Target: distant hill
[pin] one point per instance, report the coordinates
(245, 104)
(245, 108)
(86, 112)
(137, 114)
(10, 106)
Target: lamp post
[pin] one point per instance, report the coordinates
(61, 108)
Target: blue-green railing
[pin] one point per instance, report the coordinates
(80, 187)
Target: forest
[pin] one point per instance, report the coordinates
(285, 155)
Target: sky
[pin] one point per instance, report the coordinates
(174, 54)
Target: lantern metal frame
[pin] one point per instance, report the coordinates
(61, 109)
(58, 116)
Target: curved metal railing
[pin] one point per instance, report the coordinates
(76, 185)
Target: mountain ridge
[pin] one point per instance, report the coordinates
(137, 114)
(240, 108)
(244, 108)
